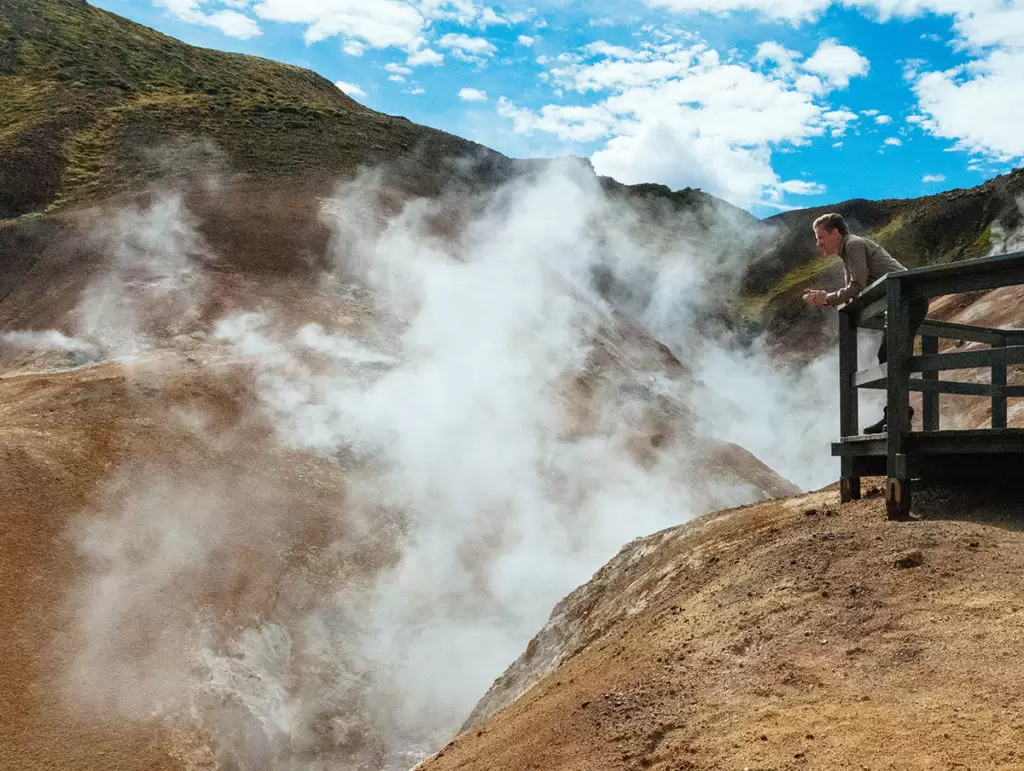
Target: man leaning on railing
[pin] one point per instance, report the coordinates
(865, 262)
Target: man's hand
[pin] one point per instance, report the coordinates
(816, 298)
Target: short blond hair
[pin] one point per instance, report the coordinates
(832, 221)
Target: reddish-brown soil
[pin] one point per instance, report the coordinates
(65, 439)
(790, 634)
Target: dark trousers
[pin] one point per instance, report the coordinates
(917, 310)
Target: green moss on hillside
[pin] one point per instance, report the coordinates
(92, 104)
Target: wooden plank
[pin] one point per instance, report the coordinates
(898, 342)
(849, 413)
(930, 399)
(877, 380)
(875, 445)
(999, 390)
(861, 438)
(969, 332)
(970, 442)
(935, 387)
(984, 357)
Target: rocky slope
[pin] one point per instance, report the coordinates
(789, 634)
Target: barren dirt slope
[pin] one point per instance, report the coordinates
(63, 440)
(789, 634)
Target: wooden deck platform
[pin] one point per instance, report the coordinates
(902, 454)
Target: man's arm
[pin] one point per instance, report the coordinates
(857, 271)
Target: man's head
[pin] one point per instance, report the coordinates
(829, 231)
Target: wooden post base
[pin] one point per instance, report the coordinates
(849, 489)
(897, 499)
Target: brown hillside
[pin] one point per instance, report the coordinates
(789, 634)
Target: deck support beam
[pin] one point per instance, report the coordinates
(930, 399)
(999, 388)
(897, 335)
(849, 484)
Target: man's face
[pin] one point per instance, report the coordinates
(828, 241)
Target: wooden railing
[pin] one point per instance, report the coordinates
(885, 305)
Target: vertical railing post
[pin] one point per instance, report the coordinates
(849, 483)
(999, 388)
(930, 399)
(897, 335)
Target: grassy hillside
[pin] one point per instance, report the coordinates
(81, 121)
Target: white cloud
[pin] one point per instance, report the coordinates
(472, 95)
(893, 141)
(465, 46)
(882, 120)
(801, 187)
(782, 57)
(425, 56)
(229, 22)
(869, 113)
(810, 84)
(377, 24)
(836, 63)
(776, 9)
(526, 40)
(398, 69)
(992, 24)
(571, 123)
(810, 10)
(979, 106)
(838, 121)
(350, 88)
(929, 178)
(489, 18)
(675, 113)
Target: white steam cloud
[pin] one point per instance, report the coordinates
(80, 351)
(152, 286)
(486, 435)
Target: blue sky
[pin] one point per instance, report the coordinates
(769, 104)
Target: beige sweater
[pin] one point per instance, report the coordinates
(865, 262)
